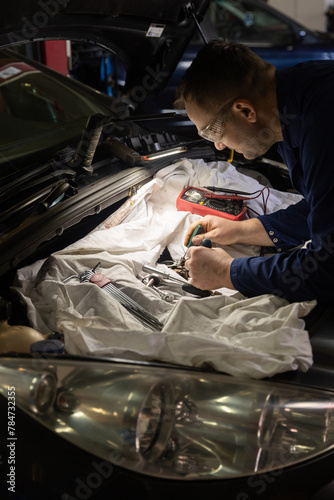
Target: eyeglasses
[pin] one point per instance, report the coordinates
(215, 130)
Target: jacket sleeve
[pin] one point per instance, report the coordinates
(304, 274)
(288, 228)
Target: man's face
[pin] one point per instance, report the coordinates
(240, 132)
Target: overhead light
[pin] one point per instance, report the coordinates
(163, 154)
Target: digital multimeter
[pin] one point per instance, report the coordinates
(202, 202)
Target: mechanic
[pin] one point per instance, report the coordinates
(239, 101)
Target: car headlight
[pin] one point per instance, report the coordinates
(173, 423)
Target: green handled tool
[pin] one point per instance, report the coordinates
(198, 230)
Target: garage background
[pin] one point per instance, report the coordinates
(311, 13)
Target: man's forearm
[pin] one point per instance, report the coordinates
(252, 232)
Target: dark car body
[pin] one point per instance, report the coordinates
(101, 426)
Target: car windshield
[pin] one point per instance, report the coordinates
(245, 22)
(38, 112)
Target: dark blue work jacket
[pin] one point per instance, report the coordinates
(299, 270)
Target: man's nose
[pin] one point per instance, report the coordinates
(220, 146)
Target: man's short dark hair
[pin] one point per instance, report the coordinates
(220, 71)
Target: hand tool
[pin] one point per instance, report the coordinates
(187, 287)
(91, 276)
(198, 230)
(204, 243)
(153, 281)
(150, 269)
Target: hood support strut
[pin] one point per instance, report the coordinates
(191, 12)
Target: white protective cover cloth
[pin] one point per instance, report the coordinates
(255, 337)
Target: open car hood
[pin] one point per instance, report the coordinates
(149, 36)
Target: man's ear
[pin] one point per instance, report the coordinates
(246, 109)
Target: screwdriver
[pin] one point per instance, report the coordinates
(198, 230)
(205, 243)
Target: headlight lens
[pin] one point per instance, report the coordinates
(173, 423)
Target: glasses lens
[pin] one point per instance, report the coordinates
(214, 131)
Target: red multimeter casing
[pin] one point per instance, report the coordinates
(202, 202)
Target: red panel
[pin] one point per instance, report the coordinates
(54, 55)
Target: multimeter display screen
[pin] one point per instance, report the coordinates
(193, 195)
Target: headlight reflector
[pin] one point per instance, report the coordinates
(173, 423)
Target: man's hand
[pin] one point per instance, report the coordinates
(217, 229)
(209, 268)
(228, 232)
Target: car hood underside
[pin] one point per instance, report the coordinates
(149, 36)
